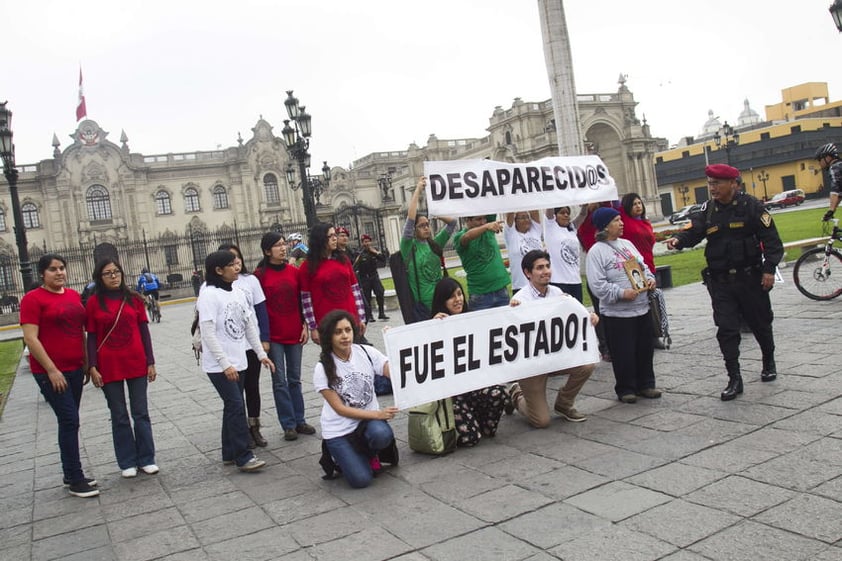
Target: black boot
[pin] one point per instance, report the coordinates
(733, 389)
(769, 372)
(254, 433)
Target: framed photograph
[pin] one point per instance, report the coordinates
(634, 271)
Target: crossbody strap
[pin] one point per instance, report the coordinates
(104, 339)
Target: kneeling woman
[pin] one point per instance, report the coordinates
(476, 413)
(344, 376)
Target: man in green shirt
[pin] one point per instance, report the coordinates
(477, 247)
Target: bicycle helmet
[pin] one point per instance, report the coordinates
(828, 149)
(296, 237)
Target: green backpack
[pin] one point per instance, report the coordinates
(432, 428)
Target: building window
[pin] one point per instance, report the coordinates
(99, 204)
(7, 274)
(220, 197)
(2, 220)
(191, 200)
(30, 215)
(270, 185)
(171, 254)
(163, 203)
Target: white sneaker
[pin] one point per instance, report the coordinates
(252, 465)
(151, 469)
(128, 473)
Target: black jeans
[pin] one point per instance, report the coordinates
(631, 346)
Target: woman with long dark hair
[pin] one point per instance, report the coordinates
(250, 285)
(563, 247)
(120, 358)
(476, 413)
(344, 376)
(423, 253)
(228, 330)
(637, 228)
(287, 332)
(53, 322)
(328, 282)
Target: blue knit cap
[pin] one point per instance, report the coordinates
(602, 216)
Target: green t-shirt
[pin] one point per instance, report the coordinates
(428, 263)
(482, 262)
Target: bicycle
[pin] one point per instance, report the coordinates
(153, 309)
(813, 272)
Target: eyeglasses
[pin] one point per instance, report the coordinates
(113, 274)
(423, 225)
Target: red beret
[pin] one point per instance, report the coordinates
(342, 230)
(366, 237)
(722, 171)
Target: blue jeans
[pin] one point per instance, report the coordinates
(235, 430)
(355, 465)
(66, 407)
(133, 447)
(495, 299)
(286, 384)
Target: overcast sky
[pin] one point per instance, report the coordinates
(185, 75)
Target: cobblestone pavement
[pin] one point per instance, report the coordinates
(683, 478)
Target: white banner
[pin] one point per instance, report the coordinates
(439, 358)
(478, 187)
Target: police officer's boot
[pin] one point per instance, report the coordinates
(769, 372)
(734, 387)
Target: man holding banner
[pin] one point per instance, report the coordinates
(529, 395)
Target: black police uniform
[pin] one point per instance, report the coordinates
(742, 245)
(366, 265)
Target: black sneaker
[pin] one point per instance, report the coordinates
(83, 490)
(88, 480)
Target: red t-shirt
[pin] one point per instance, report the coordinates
(61, 325)
(330, 288)
(122, 356)
(283, 303)
(640, 233)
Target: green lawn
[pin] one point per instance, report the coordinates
(10, 352)
(686, 265)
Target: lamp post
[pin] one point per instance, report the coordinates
(7, 152)
(836, 13)
(731, 137)
(764, 177)
(297, 140)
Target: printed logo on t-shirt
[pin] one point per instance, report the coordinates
(355, 388)
(122, 333)
(336, 287)
(70, 319)
(568, 255)
(528, 243)
(283, 299)
(234, 322)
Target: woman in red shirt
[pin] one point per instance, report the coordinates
(637, 228)
(328, 281)
(120, 357)
(53, 322)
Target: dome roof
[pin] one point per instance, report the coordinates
(748, 116)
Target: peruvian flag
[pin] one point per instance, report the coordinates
(81, 110)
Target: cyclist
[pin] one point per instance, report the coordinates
(297, 248)
(828, 158)
(148, 284)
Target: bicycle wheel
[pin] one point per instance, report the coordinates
(815, 281)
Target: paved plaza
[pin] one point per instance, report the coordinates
(683, 478)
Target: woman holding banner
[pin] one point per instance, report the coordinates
(476, 413)
(354, 427)
(423, 253)
(624, 309)
(563, 247)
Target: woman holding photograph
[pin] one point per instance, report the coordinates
(624, 309)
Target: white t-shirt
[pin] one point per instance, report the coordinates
(519, 245)
(355, 388)
(251, 286)
(230, 313)
(563, 247)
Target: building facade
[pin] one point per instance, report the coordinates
(95, 193)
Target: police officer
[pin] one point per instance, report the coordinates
(743, 250)
(828, 158)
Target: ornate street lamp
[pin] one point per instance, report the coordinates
(836, 13)
(297, 140)
(731, 137)
(764, 177)
(7, 152)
